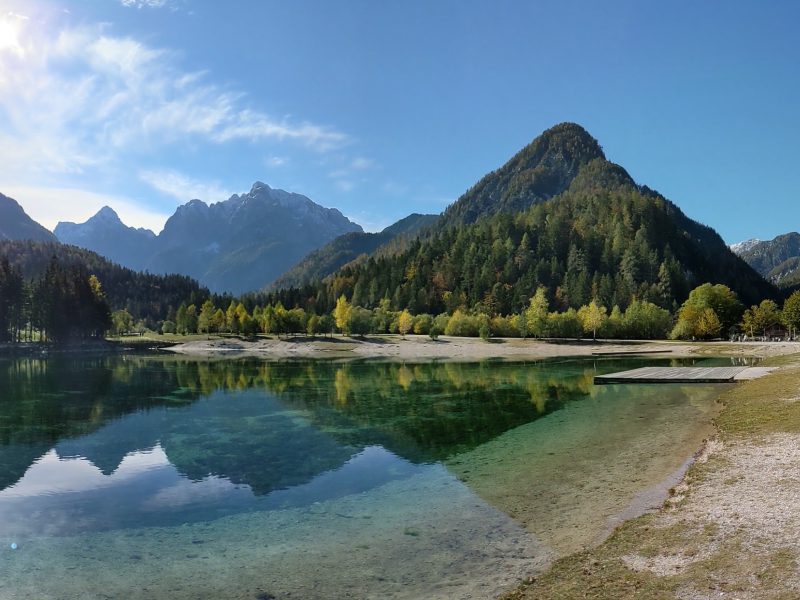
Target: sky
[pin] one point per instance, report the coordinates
(381, 109)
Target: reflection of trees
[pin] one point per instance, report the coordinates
(422, 412)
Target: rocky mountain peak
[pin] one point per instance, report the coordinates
(106, 214)
(259, 187)
(246, 241)
(194, 204)
(745, 246)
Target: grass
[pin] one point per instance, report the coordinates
(694, 560)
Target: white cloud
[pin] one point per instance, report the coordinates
(349, 172)
(144, 3)
(252, 125)
(49, 205)
(83, 99)
(345, 185)
(9, 33)
(361, 163)
(184, 188)
(277, 161)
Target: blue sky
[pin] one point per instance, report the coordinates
(385, 108)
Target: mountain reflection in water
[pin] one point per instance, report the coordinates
(133, 440)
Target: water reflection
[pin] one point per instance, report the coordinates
(243, 479)
(139, 434)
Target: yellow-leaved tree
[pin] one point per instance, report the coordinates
(593, 316)
(341, 314)
(405, 322)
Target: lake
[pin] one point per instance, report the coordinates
(149, 476)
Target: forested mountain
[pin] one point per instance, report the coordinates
(778, 260)
(603, 237)
(146, 296)
(348, 247)
(107, 235)
(541, 170)
(15, 224)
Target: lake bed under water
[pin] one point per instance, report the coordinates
(159, 477)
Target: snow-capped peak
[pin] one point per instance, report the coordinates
(744, 246)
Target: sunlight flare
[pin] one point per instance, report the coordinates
(10, 25)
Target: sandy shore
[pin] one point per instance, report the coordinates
(414, 347)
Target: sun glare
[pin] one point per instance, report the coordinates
(9, 35)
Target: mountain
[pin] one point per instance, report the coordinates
(244, 243)
(106, 234)
(557, 215)
(15, 224)
(146, 296)
(235, 246)
(744, 246)
(348, 247)
(538, 172)
(778, 260)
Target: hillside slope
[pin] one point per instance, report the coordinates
(603, 237)
(778, 259)
(144, 295)
(349, 247)
(15, 224)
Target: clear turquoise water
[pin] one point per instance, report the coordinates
(159, 477)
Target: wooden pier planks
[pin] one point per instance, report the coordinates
(673, 375)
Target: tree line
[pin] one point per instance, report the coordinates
(65, 304)
(608, 246)
(710, 311)
(67, 301)
(146, 296)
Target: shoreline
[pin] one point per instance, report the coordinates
(602, 465)
(726, 513)
(460, 349)
(728, 527)
(412, 347)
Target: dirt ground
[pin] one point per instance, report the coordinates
(461, 349)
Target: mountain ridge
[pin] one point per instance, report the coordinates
(778, 259)
(234, 246)
(108, 236)
(347, 248)
(15, 224)
(558, 214)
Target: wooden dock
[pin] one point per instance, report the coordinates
(630, 352)
(674, 375)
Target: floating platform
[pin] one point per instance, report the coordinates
(683, 375)
(630, 352)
